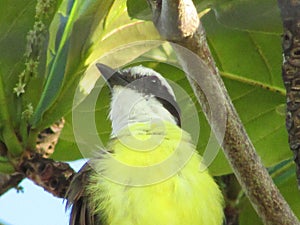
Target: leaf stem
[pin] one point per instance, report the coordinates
(253, 82)
(9, 136)
(31, 140)
(6, 168)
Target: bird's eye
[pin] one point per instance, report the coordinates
(154, 80)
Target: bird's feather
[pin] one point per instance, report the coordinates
(77, 199)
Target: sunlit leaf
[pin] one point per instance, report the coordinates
(139, 9)
(101, 28)
(66, 57)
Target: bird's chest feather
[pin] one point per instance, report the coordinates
(189, 197)
(175, 193)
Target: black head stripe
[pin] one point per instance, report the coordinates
(172, 107)
(151, 85)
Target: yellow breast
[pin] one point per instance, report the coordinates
(153, 178)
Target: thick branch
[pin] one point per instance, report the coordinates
(208, 87)
(290, 13)
(54, 177)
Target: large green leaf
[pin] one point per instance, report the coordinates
(252, 15)
(250, 64)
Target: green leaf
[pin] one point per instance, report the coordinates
(8, 135)
(57, 30)
(16, 19)
(6, 168)
(121, 31)
(251, 15)
(139, 9)
(67, 148)
(57, 58)
(250, 64)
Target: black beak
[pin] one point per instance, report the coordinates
(111, 76)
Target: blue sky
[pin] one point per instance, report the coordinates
(35, 206)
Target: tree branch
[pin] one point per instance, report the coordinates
(54, 177)
(10, 181)
(208, 87)
(290, 13)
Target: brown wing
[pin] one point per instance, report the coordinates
(77, 199)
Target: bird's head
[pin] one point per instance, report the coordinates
(139, 94)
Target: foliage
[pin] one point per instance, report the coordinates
(244, 37)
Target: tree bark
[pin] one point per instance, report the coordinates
(290, 13)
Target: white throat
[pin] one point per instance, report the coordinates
(129, 107)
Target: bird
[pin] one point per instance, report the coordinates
(149, 172)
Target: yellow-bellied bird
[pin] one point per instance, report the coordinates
(150, 172)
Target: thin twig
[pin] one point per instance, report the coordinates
(240, 152)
